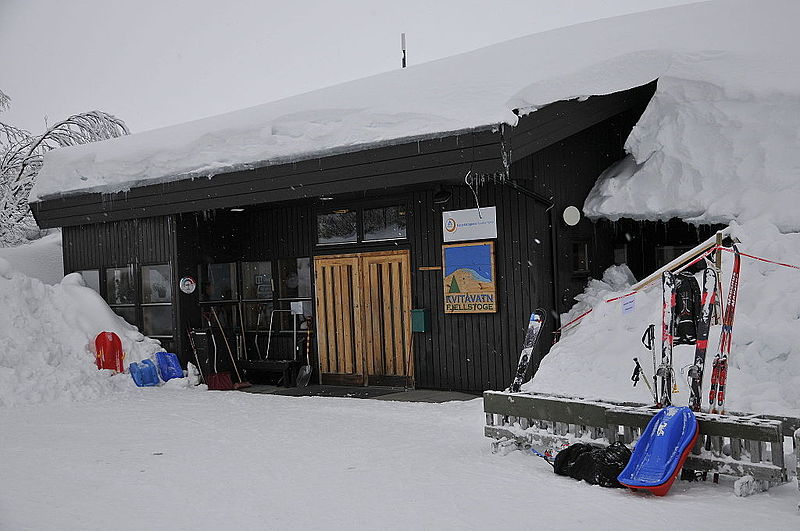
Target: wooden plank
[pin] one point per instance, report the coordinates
(334, 339)
(408, 338)
(521, 405)
(397, 318)
(388, 338)
(320, 317)
(344, 296)
(358, 346)
(371, 314)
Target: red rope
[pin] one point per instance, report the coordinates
(701, 257)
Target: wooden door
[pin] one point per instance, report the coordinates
(387, 318)
(338, 309)
(364, 318)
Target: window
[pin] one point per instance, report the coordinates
(91, 277)
(580, 257)
(361, 225)
(120, 285)
(340, 226)
(157, 300)
(257, 280)
(218, 282)
(121, 292)
(667, 253)
(384, 223)
(294, 285)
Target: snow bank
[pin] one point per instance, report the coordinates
(594, 359)
(41, 259)
(46, 337)
(479, 89)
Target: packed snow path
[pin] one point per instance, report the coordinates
(178, 459)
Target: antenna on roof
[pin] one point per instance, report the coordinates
(403, 46)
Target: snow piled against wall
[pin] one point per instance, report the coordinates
(47, 334)
(718, 142)
(594, 359)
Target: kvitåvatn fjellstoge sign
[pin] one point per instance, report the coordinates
(469, 278)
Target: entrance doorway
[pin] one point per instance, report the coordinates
(363, 311)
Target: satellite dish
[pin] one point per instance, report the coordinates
(572, 216)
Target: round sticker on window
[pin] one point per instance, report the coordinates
(188, 285)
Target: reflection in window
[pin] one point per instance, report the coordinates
(91, 277)
(295, 278)
(218, 282)
(256, 280)
(119, 285)
(227, 314)
(157, 320)
(126, 312)
(257, 315)
(384, 223)
(337, 227)
(156, 285)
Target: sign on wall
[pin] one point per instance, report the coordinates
(469, 279)
(469, 224)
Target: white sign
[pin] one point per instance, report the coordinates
(629, 304)
(470, 224)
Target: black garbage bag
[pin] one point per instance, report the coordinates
(597, 466)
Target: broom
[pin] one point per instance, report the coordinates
(241, 384)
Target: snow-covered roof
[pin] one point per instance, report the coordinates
(471, 90)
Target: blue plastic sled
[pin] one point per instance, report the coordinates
(168, 366)
(661, 451)
(144, 374)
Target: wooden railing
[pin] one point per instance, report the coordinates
(740, 445)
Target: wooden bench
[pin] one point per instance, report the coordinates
(740, 445)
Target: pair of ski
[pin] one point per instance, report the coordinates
(665, 373)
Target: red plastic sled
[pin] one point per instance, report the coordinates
(109, 351)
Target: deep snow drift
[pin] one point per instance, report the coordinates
(47, 340)
(594, 358)
(479, 89)
(41, 259)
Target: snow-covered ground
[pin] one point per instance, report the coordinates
(169, 459)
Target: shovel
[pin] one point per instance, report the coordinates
(304, 374)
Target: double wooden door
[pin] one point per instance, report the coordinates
(363, 308)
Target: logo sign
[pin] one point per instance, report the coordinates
(469, 279)
(187, 285)
(470, 224)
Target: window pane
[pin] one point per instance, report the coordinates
(126, 312)
(295, 277)
(580, 257)
(337, 227)
(256, 316)
(156, 285)
(384, 223)
(256, 280)
(157, 320)
(286, 317)
(228, 315)
(119, 285)
(218, 282)
(91, 277)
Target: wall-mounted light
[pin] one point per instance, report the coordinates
(326, 198)
(571, 215)
(237, 210)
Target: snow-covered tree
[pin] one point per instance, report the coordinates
(21, 155)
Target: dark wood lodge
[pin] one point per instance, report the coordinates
(353, 243)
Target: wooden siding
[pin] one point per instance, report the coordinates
(136, 241)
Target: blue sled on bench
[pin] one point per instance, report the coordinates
(661, 451)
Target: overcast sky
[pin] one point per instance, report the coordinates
(158, 62)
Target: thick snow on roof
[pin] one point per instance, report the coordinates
(471, 90)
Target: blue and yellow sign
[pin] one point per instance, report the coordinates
(469, 280)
